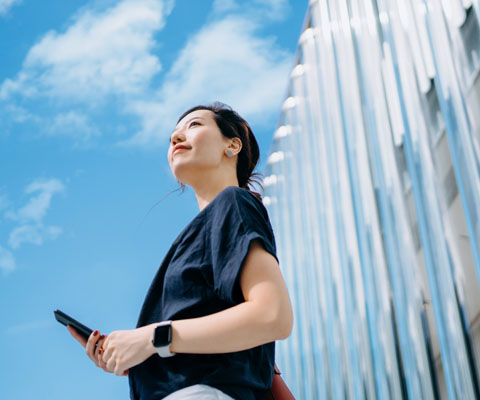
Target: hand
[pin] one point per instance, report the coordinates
(125, 349)
(93, 352)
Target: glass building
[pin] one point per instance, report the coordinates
(373, 189)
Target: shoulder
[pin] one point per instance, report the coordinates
(239, 199)
(236, 193)
(238, 204)
(237, 217)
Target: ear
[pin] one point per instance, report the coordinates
(235, 145)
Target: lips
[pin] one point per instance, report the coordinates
(179, 147)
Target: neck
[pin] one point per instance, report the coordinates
(207, 189)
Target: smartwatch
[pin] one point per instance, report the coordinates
(162, 337)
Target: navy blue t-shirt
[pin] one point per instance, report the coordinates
(200, 276)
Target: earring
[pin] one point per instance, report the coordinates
(229, 153)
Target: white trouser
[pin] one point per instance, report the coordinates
(198, 392)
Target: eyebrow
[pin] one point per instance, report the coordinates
(186, 123)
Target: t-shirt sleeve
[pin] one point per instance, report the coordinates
(238, 219)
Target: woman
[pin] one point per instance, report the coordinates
(218, 301)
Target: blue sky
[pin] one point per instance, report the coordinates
(89, 94)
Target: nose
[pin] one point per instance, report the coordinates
(177, 137)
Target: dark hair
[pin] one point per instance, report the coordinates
(231, 125)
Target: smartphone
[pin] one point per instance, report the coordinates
(65, 319)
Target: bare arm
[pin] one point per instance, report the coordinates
(265, 316)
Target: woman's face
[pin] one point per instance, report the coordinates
(196, 145)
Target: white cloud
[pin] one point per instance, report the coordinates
(30, 227)
(5, 5)
(20, 114)
(7, 261)
(256, 10)
(74, 124)
(99, 54)
(222, 6)
(110, 55)
(34, 234)
(276, 9)
(225, 61)
(37, 206)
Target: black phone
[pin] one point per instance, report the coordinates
(66, 319)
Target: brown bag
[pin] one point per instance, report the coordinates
(279, 390)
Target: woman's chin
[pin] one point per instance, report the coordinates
(181, 175)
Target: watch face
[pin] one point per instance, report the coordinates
(162, 336)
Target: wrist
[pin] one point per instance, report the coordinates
(162, 338)
(149, 332)
(174, 335)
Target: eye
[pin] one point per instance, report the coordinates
(193, 123)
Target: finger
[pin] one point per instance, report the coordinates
(107, 352)
(119, 371)
(103, 366)
(111, 365)
(99, 348)
(106, 344)
(101, 363)
(106, 369)
(125, 373)
(90, 347)
(81, 339)
(99, 353)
